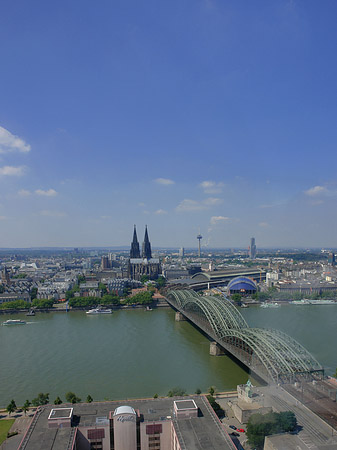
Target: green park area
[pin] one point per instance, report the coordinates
(5, 425)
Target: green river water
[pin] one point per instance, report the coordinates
(135, 353)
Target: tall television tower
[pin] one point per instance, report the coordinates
(199, 237)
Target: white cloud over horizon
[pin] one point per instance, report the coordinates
(164, 181)
(218, 219)
(10, 142)
(212, 187)
(160, 211)
(189, 205)
(12, 171)
(316, 190)
(46, 193)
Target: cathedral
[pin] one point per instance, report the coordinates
(142, 263)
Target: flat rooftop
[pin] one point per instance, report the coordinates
(185, 404)
(203, 432)
(60, 413)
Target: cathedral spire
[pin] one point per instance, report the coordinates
(146, 249)
(134, 251)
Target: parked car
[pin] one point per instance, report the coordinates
(234, 434)
(232, 427)
(240, 430)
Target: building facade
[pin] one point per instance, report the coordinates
(141, 264)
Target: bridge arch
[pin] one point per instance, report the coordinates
(280, 356)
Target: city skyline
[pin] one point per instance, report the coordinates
(202, 115)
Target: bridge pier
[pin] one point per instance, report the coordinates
(180, 317)
(215, 349)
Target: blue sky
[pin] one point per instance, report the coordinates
(211, 114)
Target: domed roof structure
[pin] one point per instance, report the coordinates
(241, 284)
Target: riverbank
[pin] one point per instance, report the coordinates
(61, 308)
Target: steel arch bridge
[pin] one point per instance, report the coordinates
(271, 354)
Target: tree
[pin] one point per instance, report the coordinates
(211, 390)
(335, 374)
(236, 298)
(216, 407)
(155, 396)
(41, 399)
(89, 399)
(176, 392)
(144, 279)
(161, 281)
(102, 287)
(261, 425)
(33, 293)
(72, 398)
(11, 407)
(26, 406)
(57, 401)
(198, 391)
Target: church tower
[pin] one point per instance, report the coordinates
(146, 249)
(134, 252)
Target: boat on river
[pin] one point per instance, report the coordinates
(270, 305)
(31, 312)
(322, 302)
(304, 301)
(14, 322)
(99, 310)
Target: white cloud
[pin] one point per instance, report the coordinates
(188, 205)
(164, 181)
(211, 187)
(10, 143)
(263, 224)
(161, 211)
(48, 213)
(218, 219)
(316, 190)
(24, 193)
(47, 193)
(141, 204)
(211, 201)
(12, 171)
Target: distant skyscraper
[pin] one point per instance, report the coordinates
(181, 252)
(252, 249)
(331, 259)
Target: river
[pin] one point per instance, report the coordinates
(137, 353)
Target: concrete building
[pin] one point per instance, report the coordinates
(252, 249)
(148, 424)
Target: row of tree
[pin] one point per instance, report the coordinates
(43, 399)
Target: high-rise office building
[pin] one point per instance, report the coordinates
(252, 249)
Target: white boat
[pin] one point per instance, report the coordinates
(14, 322)
(304, 301)
(99, 310)
(270, 305)
(322, 302)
